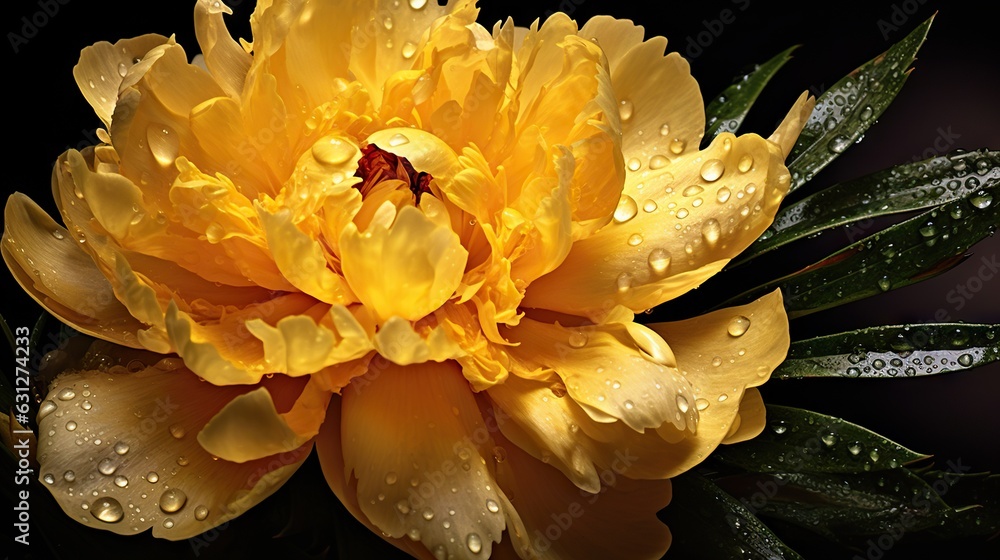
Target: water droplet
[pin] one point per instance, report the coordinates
(682, 213)
(333, 151)
(387, 22)
(168, 523)
(177, 431)
(66, 394)
(723, 194)
(47, 407)
(738, 326)
(701, 404)
(107, 510)
(577, 339)
(658, 162)
(163, 143)
(69, 476)
(779, 428)
(965, 360)
(183, 461)
(829, 439)
(723, 397)
(665, 129)
(391, 478)
(677, 146)
(121, 481)
(693, 190)
(854, 447)
(474, 543)
(492, 506)
(745, 163)
(625, 110)
(635, 239)
(866, 112)
(712, 169)
(122, 69)
(884, 283)
(981, 200)
(172, 500)
(49, 479)
(659, 260)
(682, 404)
(839, 143)
(418, 4)
(649, 206)
(634, 164)
(70, 426)
(409, 49)
(86, 405)
(403, 507)
(626, 210)
(106, 467)
(712, 231)
(398, 139)
(629, 405)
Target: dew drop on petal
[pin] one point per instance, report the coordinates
(121, 481)
(738, 325)
(107, 510)
(626, 210)
(172, 500)
(163, 143)
(418, 4)
(711, 231)
(107, 467)
(625, 110)
(577, 339)
(177, 431)
(745, 163)
(658, 162)
(47, 407)
(492, 506)
(659, 260)
(152, 477)
(712, 169)
(649, 206)
(634, 164)
(723, 194)
(398, 139)
(200, 513)
(70, 426)
(693, 190)
(635, 239)
(66, 394)
(69, 476)
(391, 478)
(474, 543)
(682, 404)
(49, 479)
(677, 146)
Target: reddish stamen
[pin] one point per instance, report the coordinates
(377, 165)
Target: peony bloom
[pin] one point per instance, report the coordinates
(415, 244)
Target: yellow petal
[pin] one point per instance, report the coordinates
(102, 67)
(699, 212)
(751, 418)
(249, 427)
(428, 464)
(38, 252)
(408, 269)
(301, 345)
(561, 522)
(788, 131)
(604, 369)
(721, 366)
(224, 57)
(123, 455)
(398, 342)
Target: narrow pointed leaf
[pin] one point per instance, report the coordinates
(726, 112)
(844, 508)
(804, 441)
(908, 252)
(907, 187)
(845, 111)
(975, 497)
(893, 351)
(706, 523)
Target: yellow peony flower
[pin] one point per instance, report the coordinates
(417, 245)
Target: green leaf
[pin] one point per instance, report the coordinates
(912, 186)
(893, 351)
(726, 112)
(845, 111)
(707, 523)
(844, 508)
(975, 497)
(904, 254)
(805, 441)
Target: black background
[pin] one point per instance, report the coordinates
(955, 88)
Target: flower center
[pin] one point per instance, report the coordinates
(377, 165)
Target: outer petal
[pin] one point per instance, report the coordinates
(695, 215)
(224, 57)
(561, 522)
(121, 452)
(39, 253)
(608, 372)
(416, 442)
(788, 131)
(103, 67)
(721, 366)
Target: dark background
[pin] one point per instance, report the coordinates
(952, 94)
